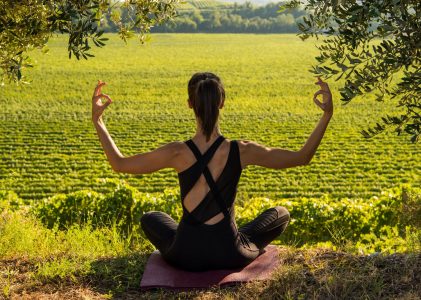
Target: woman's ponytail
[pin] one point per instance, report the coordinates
(206, 93)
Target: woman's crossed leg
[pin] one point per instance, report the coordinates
(266, 226)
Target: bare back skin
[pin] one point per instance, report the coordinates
(201, 187)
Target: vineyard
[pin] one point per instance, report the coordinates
(69, 225)
(203, 4)
(48, 144)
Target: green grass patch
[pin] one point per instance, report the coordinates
(48, 144)
(83, 262)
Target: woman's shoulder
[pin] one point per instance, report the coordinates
(241, 147)
(175, 147)
(250, 149)
(245, 145)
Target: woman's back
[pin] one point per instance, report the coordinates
(208, 194)
(214, 173)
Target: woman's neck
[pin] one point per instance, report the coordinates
(199, 137)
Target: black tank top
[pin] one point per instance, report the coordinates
(198, 246)
(221, 195)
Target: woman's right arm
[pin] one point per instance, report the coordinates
(255, 154)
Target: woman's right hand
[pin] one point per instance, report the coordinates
(97, 106)
(327, 104)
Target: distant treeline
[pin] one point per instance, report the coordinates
(235, 18)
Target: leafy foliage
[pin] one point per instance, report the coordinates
(122, 208)
(368, 43)
(216, 18)
(363, 221)
(25, 25)
(378, 223)
(10, 201)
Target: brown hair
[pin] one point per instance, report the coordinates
(206, 93)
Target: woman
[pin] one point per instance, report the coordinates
(209, 168)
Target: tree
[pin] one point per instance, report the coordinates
(28, 24)
(369, 43)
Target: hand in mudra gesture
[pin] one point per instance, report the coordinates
(327, 104)
(97, 106)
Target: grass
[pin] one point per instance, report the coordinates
(48, 144)
(32, 255)
(86, 263)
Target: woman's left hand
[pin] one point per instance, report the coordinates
(327, 104)
(97, 106)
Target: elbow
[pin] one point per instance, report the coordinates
(116, 169)
(305, 159)
(306, 162)
(117, 166)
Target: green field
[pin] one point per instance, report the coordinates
(202, 4)
(48, 144)
(89, 245)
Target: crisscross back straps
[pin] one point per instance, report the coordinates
(203, 161)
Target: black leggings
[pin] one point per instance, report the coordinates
(161, 229)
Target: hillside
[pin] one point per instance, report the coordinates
(203, 4)
(255, 2)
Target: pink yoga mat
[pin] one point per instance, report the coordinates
(159, 274)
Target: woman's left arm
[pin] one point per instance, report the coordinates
(160, 158)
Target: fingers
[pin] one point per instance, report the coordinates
(98, 87)
(108, 100)
(327, 95)
(100, 96)
(319, 92)
(322, 84)
(105, 96)
(96, 98)
(318, 103)
(107, 103)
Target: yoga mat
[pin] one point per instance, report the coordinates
(159, 274)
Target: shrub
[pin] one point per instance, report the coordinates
(122, 208)
(380, 223)
(9, 201)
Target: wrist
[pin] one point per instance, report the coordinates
(328, 114)
(97, 122)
